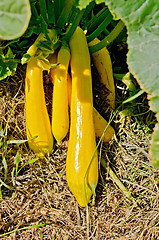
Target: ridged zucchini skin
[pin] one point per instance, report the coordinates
(36, 114)
(60, 114)
(82, 143)
(103, 64)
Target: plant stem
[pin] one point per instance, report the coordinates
(97, 21)
(64, 14)
(106, 32)
(34, 11)
(89, 8)
(73, 27)
(100, 28)
(93, 19)
(56, 45)
(58, 6)
(43, 10)
(110, 38)
(50, 11)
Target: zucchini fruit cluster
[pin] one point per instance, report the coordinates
(72, 111)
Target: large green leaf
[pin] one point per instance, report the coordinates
(14, 18)
(142, 18)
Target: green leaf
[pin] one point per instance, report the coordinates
(154, 104)
(4, 162)
(128, 81)
(132, 97)
(5, 185)
(42, 47)
(154, 148)
(14, 18)
(94, 192)
(27, 163)
(1, 196)
(83, 3)
(14, 141)
(17, 160)
(8, 64)
(1, 131)
(141, 19)
(25, 228)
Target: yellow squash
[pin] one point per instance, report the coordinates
(99, 122)
(60, 115)
(100, 125)
(81, 155)
(103, 64)
(53, 60)
(36, 114)
(69, 88)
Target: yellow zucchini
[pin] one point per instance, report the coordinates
(99, 122)
(53, 60)
(81, 155)
(103, 64)
(69, 88)
(36, 114)
(60, 115)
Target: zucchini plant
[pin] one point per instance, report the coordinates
(62, 37)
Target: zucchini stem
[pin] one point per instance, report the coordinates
(58, 6)
(64, 14)
(94, 18)
(50, 12)
(74, 25)
(88, 9)
(108, 39)
(43, 10)
(98, 21)
(100, 28)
